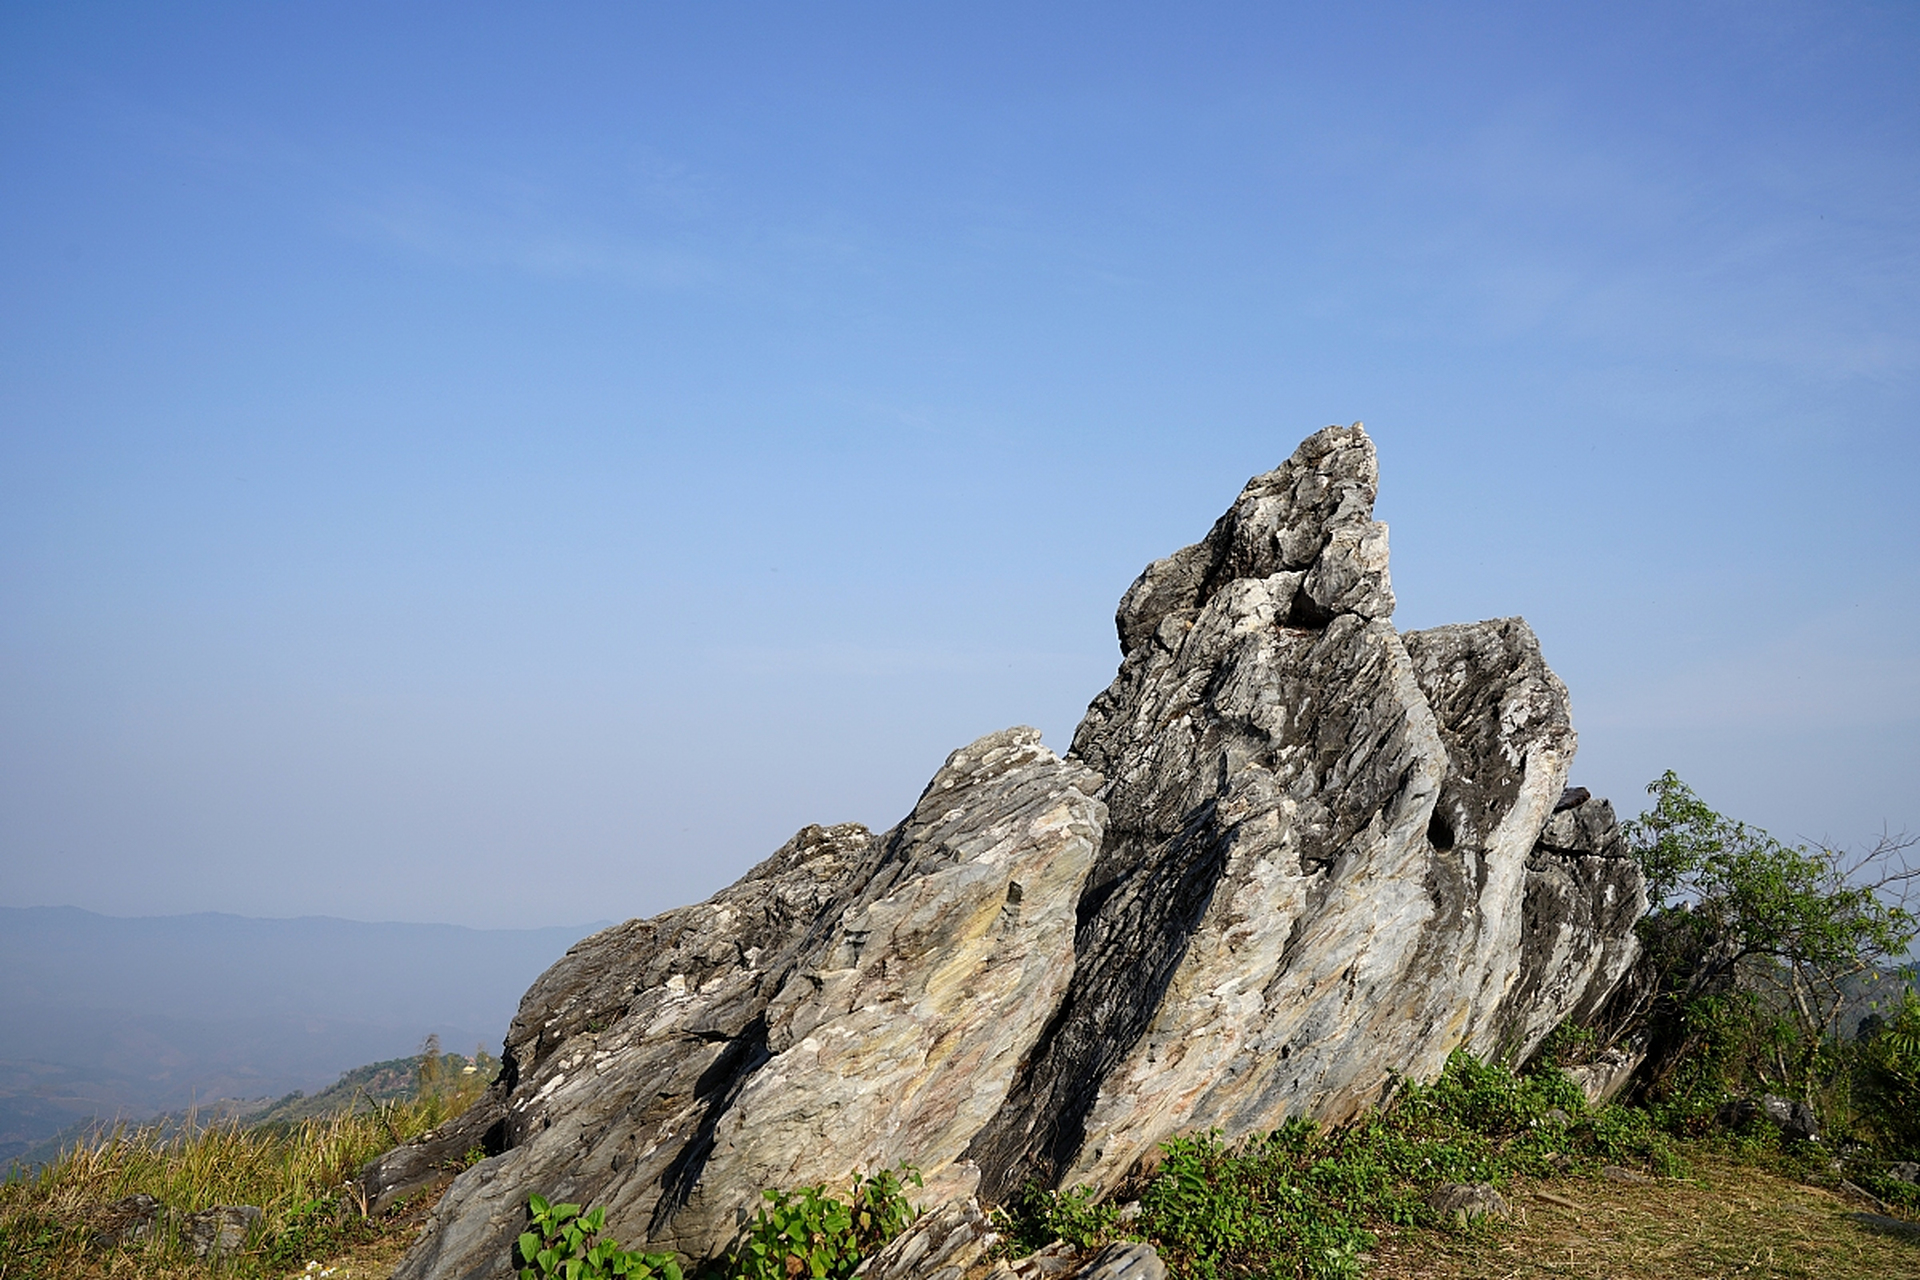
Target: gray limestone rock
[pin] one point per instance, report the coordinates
(1316, 859)
(1122, 1261)
(1881, 1224)
(940, 1245)
(216, 1232)
(1292, 855)
(1465, 1201)
(128, 1220)
(1794, 1119)
(1057, 1261)
(209, 1233)
(1607, 1073)
(853, 1002)
(1584, 891)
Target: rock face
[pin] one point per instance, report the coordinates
(1291, 853)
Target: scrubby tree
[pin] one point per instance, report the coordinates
(1737, 912)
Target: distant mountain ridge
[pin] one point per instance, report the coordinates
(103, 1016)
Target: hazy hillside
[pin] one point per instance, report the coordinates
(106, 1016)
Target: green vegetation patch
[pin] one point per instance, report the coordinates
(1302, 1201)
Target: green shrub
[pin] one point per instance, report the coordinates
(1037, 1217)
(1755, 946)
(1889, 1058)
(561, 1245)
(1627, 1135)
(821, 1235)
(1301, 1201)
(320, 1227)
(1266, 1206)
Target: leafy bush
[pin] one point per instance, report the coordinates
(562, 1244)
(1753, 943)
(810, 1232)
(321, 1227)
(1037, 1217)
(1890, 1061)
(1628, 1136)
(1259, 1208)
(1301, 1201)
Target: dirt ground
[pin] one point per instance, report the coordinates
(1724, 1219)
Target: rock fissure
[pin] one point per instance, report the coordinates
(1292, 855)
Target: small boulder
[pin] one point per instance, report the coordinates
(223, 1229)
(1057, 1259)
(1904, 1171)
(1882, 1224)
(1125, 1261)
(128, 1220)
(1465, 1201)
(939, 1246)
(1601, 1079)
(1794, 1119)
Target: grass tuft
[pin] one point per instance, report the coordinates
(298, 1174)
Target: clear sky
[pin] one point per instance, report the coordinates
(515, 464)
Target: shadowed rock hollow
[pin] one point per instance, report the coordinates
(1291, 852)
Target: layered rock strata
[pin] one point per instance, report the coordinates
(1292, 855)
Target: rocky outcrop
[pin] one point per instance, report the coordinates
(851, 1003)
(1584, 892)
(1292, 854)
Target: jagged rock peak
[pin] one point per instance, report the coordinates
(1292, 856)
(1312, 516)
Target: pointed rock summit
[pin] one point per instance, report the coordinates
(1292, 854)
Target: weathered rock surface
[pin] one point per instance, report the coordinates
(1291, 853)
(941, 1245)
(216, 1232)
(1584, 891)
(1602, 1078)
(128, 1220)
(1465, 1201)
(1794, 1119)
(851, 1003)
(1122, 1260)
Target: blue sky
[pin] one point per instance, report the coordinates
(514, 466)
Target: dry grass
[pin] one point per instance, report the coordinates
(1726, 1219)
(372, 1258)
(298, 1175)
